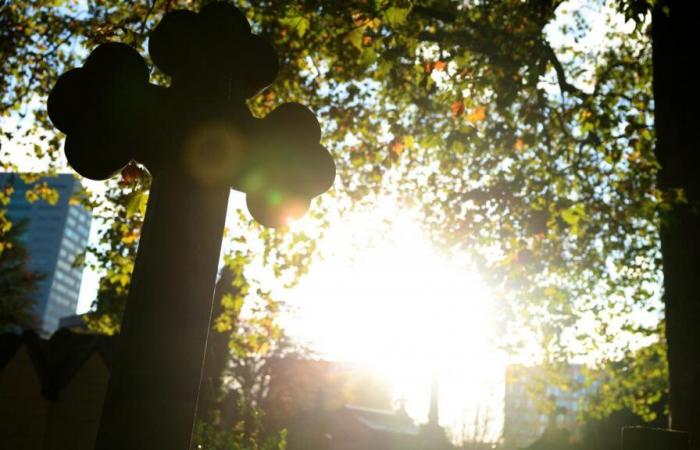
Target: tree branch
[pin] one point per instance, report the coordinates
(433, 13)
(564, 84)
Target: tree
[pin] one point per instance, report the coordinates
(18, 284)
(676, 99)
(243, 345)
(637, 382)
(113, 257)
(208, 437)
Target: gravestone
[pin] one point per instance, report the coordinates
(198, 140)
(642, 438)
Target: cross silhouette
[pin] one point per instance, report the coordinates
(198, 140)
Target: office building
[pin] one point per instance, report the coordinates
(54, 236)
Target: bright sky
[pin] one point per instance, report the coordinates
(385, 297)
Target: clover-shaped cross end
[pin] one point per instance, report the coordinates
(200, 126)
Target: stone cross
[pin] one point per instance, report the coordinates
(198, 140)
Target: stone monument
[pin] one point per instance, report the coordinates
(198, 140)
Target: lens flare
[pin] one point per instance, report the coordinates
(214, 153)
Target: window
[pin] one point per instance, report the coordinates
(62, 264)
(70, 246)
(72, 234)
(61, 300)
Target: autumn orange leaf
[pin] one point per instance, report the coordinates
(132, 173)
(519, 144)
(131, 236)
(477, 115)
(440, 66)
(457, 108)
(397, 146)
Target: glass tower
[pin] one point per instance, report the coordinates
(54, 236)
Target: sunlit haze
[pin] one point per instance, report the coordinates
(385, 297)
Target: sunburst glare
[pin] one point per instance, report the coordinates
(385, 297)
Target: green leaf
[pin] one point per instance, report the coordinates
(300, 24)
(137, 203)
(396, 16)
(354, 37)
(570, 216)
(573, 216)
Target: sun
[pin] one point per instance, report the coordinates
(385, 297)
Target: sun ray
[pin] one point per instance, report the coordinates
(385, 297)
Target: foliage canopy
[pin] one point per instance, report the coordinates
(534, 156)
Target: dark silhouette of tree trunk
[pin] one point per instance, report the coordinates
(675, 52)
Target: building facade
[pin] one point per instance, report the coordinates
(54, 236)
(524, 422)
